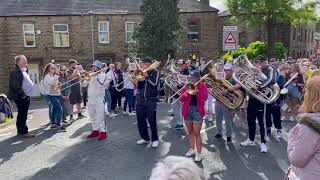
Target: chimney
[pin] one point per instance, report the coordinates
(205, 2)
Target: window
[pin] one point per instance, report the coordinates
(29, 35)
(294, 33)
(129, 31)
(193, 32)
(104, 32)
(61, 35)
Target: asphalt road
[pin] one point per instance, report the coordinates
(69, 155)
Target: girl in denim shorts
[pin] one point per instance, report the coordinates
(193, 112)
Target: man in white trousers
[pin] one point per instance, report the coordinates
(96, 105)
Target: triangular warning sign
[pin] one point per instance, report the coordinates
(230, 39)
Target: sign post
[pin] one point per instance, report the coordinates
(230, 38)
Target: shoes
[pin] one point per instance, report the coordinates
(54, 126)
(112, 115)
(279, 134)
(80, 116)
(263, 148)
(132, 114)
(197, 157)
(218, 136)
(229, 139)
(102, 136)
(178, 127)
(248, 142)
(93, 134)
(190, 152)
(125, 112)
(84, 107)
(155, 144)
(283, 118)
(28, 135)
(142, 141)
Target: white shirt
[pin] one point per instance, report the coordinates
(128, 84)
(27, 84)
(97, 86)
(112, 77)
(50, 83)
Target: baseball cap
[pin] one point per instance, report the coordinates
(195, 74)
(227, 66)
(260, 58)
(97, 63)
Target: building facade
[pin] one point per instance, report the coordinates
(104, 31)
(299, 40)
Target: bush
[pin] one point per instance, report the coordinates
(280, 50)
(257, 48)
(235, 54)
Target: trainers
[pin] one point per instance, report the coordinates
(267, 138)
(178, 127)
(279, 134)
(132, 114)
(102, 136)
(142, 141)
(125, 112)
(155, 144)
(112, 115)
(190, 152)
(283, 118)
(197, 157)
(229, 139)
(93, 134)
(263, 147)
(218, 136)
(248, 142)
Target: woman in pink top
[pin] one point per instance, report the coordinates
(304, 138)
(193, 112)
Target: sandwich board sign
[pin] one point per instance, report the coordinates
(230, 38)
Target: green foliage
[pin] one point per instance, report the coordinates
(157, 34)
(256, 48)
(235, 54)
(280, 50)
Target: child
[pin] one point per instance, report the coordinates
(96, 93)
(193, 112)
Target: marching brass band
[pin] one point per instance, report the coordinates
(190, 90)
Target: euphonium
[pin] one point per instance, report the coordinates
(245, 75)
(232, 100)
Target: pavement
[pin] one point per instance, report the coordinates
(69, 155)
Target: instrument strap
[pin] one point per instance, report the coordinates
(101, 83)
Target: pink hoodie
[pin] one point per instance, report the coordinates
(202, 95)
(304, 148)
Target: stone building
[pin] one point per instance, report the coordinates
(299, 40)
(62, 29)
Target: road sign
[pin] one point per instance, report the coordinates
(230, 38)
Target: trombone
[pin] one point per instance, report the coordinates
(191, 89)
(139, 73)
(130, 78)
(85, 75)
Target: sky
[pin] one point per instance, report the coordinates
(221, 5)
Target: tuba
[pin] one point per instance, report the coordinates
(249, 77)
(232, 100)
(171, 80)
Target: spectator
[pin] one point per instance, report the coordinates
(176, 168)
(128, 91)
(84, 89)
(20, 90)
(112, 89)
(119, 79)
(65, 93)
(304, 139)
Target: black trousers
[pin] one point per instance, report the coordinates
(85, 96)
(274, 111)
(147, 109)
(23, 107)
(113, 94)
(255, 111)
(119, 97)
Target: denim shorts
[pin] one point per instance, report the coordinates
(193, 115)
(293, 91)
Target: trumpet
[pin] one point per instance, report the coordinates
(85, 75)
(191, 88)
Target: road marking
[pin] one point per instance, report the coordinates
(7, 134)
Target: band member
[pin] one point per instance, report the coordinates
(193, 112)
(75, 96)
(20, 90)
(177, 107)
(146, 106)
(256, 108)
(96, 93)
(221, 111)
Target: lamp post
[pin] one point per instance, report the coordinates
(92, 41)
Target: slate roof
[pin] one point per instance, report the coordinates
(80, 7)
(224, 13)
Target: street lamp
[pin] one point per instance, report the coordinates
(92, 42)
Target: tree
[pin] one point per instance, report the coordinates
(272, 12)
(280, 50)
(157, 34)
(256, 48)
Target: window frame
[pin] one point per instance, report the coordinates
(108, 32)
(53, 32)
(134, 24)
(199, 32)
(24, 35)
